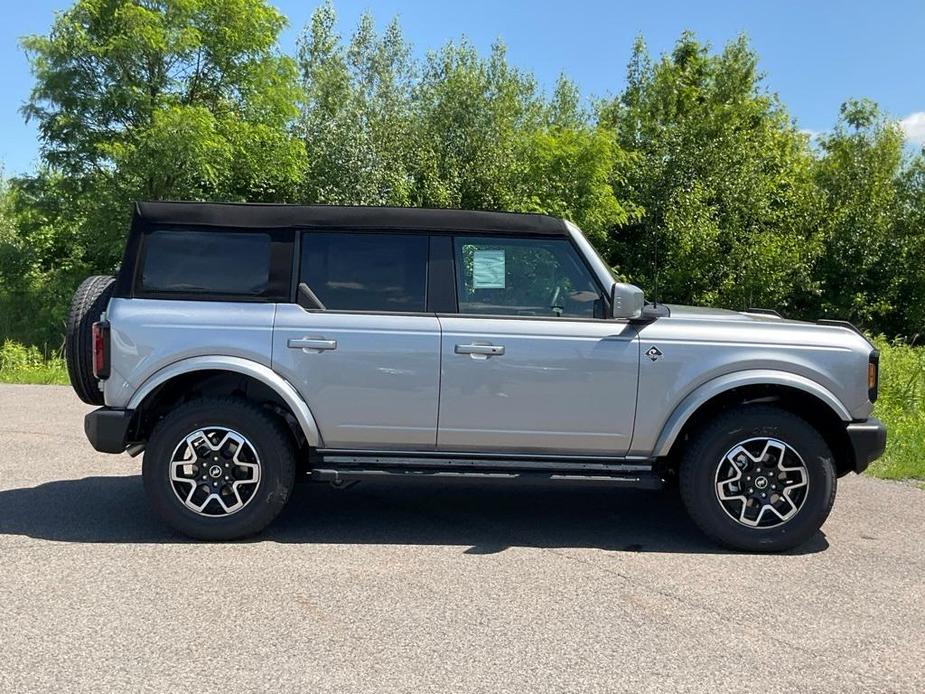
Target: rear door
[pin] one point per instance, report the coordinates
(369, 365)
(529, 361)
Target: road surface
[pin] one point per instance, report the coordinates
(423, 587)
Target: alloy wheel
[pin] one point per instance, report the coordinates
(215, 471)
(761, 482)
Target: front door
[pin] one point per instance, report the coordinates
(369, 365)
(529, 363)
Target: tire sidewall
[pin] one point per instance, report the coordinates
(276, 469)
(699, 479)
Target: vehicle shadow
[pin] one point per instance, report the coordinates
(485, 519)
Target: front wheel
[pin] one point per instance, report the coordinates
(759, 479)
(219, 468)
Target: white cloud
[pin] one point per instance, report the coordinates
(811, 134)
(913, 126)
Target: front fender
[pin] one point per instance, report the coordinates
(705, 392)
(262, 373)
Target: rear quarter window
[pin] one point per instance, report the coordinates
(205, 263)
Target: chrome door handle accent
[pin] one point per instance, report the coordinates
(318, 343)
(488, 350)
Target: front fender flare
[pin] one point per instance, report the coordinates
(262, 373)
(690, 404)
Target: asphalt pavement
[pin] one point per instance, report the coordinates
(425, 587)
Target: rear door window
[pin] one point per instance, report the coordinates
(366, 271)
(218, 263)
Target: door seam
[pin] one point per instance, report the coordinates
(439, 380)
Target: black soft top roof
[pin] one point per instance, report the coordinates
(258, 215)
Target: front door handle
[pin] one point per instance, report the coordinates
(487, 350)
(317, 343)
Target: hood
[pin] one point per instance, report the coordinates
(763, 318)
(705, 313)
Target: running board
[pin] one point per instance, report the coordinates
(340, 466)
(640, 480)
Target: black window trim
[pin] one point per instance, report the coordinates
(604, 295)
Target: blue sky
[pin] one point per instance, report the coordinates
(814, 54)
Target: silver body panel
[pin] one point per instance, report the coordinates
(148, 335)
(704, 346)
(559, 387)
(422, 382)
(376, 388)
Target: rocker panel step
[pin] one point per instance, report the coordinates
(340, 475)
(455, 461)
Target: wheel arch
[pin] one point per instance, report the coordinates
(178, 377)
(797, 394)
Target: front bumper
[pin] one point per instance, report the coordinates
(107, 429)
(868, 441)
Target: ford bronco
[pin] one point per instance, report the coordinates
(242, 346)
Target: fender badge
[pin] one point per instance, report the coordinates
(653, 353)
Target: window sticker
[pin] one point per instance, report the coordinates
(488, 269)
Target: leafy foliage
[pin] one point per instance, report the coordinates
(694, 164)
(456, 130)
(723, 175)
(873, 260)
(141, 99)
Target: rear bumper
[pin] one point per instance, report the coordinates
(868, 441)
(107, 429)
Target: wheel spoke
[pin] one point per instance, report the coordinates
(205, 466)
(761, 482)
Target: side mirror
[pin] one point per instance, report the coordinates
(626, 301)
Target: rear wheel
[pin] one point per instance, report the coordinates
(219, 469)
(758, 479)
(89, 301)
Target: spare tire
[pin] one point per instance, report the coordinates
(90, 300)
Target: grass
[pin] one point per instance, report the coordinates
(901, 404)
(22, 364)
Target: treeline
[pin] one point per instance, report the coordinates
(694, 162)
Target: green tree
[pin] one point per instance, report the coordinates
(143, 99)
(458, 130)
(178, 97)
(868, 260)
(356, 116)
(908, 314)
(722, 175)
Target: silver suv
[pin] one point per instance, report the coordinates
(244, 346)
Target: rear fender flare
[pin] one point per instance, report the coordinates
(264, 374)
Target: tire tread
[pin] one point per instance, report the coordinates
(89, 301)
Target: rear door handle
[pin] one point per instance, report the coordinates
(318, 343)
(487, 350)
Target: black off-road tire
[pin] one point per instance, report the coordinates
(89, 301)
(264, 431)
(707, 449)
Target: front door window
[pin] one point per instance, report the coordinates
(524, 277)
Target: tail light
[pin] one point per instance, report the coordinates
(873, 375)
(100, 337)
